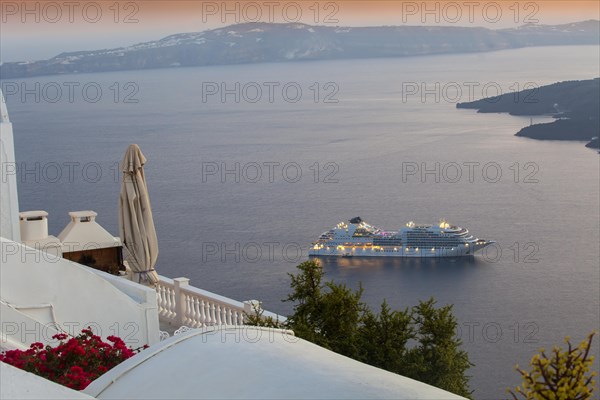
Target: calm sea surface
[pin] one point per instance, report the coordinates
(538, 200)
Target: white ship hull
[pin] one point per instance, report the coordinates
(462, 251)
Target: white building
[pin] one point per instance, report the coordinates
(42, 293)
(9, 202)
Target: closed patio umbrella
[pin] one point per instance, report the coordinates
(136, 225)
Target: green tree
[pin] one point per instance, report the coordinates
(325, 313)
(437, 359)
(383, 338)
(562, 375)
(340, 314)
(307, 286)
(333, 316)
(257, 318)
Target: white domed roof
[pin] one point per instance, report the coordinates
(251, 363)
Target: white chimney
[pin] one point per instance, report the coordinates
(34, 232)
(34, 225)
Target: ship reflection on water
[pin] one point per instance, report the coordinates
(450, 264)
(405, 281)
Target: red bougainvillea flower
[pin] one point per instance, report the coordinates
(75, 362)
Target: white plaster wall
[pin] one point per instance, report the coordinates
(20, 330)
(20, 385)
(9, 203)
(30, 280)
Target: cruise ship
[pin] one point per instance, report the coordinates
(356, 238)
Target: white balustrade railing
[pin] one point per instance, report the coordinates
(165, 291)
(183, 305)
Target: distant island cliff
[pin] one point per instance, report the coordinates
(270, 42)
(574, 104)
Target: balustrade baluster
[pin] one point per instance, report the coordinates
(172, 303)
(196, 320)
(189, 310)
(209, 320)
(202, 312)
(218, 314)
(213, 315)
(159, 300)
(168, 303)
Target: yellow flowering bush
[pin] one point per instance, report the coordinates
(562, 375)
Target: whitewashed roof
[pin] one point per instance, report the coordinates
(251, 363)
(84, 233)
(20, 385)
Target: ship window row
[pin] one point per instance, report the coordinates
(428, 234)
(436, 239)
(400, 250)
(387, 242)
(441, 240)
(432, 236)
(410, 242)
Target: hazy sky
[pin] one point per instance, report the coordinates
(36, 29)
